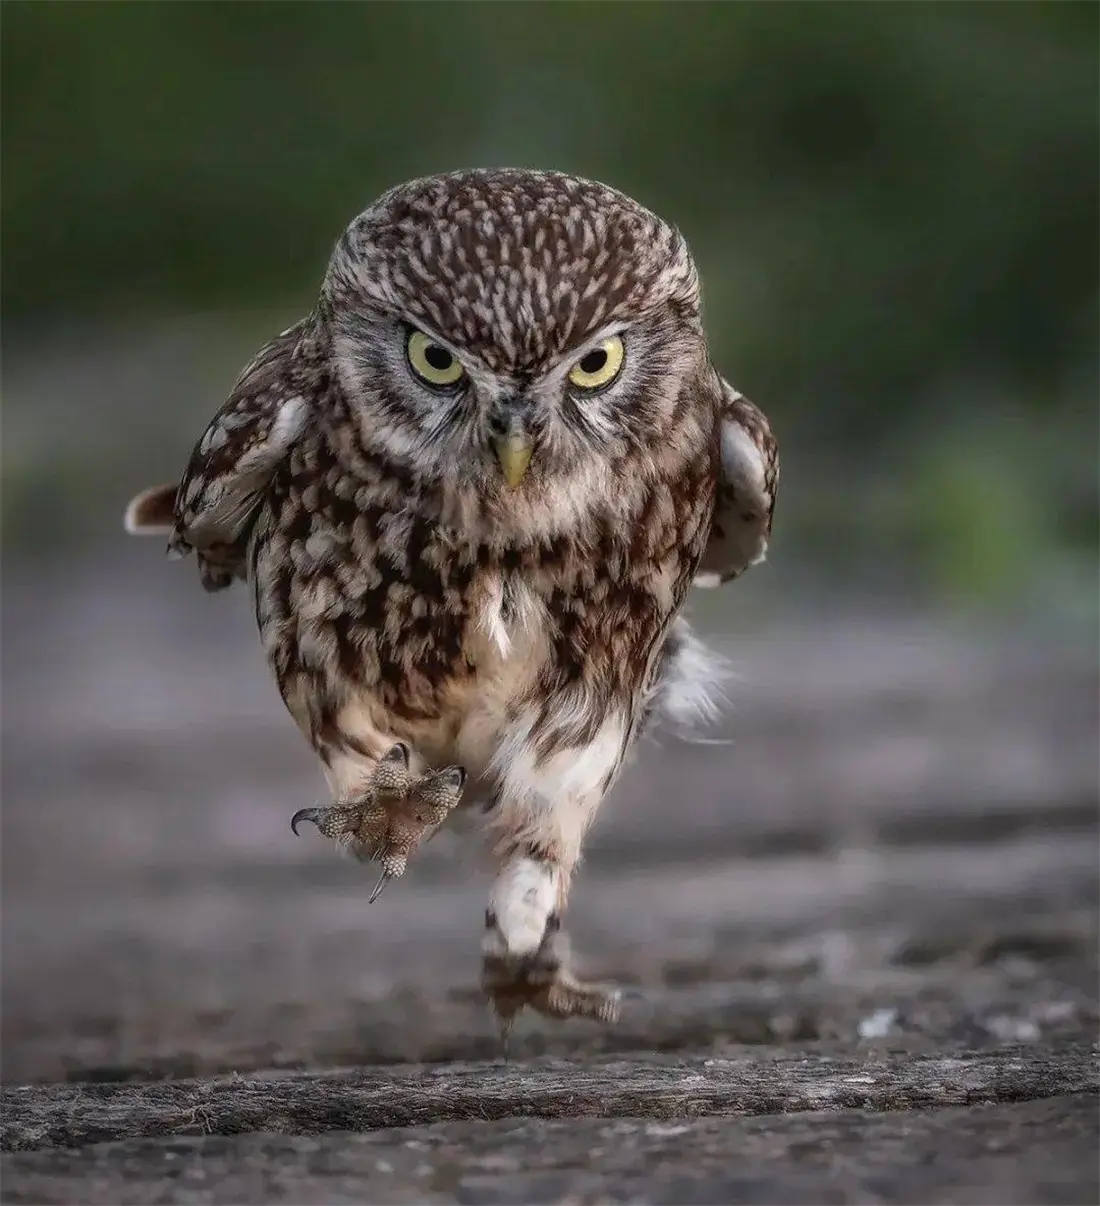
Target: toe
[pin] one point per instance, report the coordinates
(391, 775)
(334, 822)
(569, 998)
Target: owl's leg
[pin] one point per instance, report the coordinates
(544, 807)
(540, 979)
(396, 812)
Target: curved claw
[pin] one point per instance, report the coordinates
(398, 754)
(306, 814)
(383, 879)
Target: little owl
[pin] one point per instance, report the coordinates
(469, 493)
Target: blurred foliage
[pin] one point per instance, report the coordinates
(894, 206)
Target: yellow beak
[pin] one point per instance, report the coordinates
(514, 453)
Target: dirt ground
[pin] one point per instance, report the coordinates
(857, 932)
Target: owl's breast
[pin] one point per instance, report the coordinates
(374, 607)
(378, 620)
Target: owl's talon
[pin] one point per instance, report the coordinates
(541, 981)
(396, 814)
(307, 814)
(383, 879)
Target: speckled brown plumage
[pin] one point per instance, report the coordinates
(486, 561)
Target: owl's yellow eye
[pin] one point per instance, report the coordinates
(432, 361)
(600, 366)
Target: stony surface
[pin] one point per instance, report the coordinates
(1024, 1152)
(859, 942)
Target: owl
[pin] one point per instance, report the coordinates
(469, 494)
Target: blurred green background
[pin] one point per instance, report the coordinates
(894, 207)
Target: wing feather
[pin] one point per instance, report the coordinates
(232, 465)
(747, 490)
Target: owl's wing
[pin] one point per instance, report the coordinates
(213, 508)
(746, 491)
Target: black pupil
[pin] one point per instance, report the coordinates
(439, 358)
(594, 361)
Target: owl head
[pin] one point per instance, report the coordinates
(521, 332)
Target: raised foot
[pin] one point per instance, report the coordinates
(394, 816)
(541, 980)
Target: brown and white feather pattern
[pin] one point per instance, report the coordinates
(383, 621)
(403, 590)
(233, 463)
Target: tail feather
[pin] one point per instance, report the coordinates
(152, 512)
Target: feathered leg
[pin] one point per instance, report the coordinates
(544, 807)
(541, 979)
